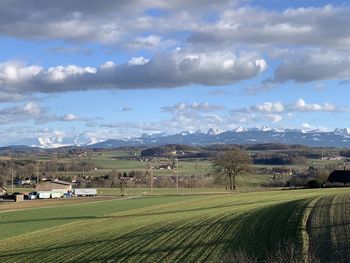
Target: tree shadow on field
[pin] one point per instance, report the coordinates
(328, 227)
(265, 229)
(131, 214)
(331, 204)
(154, 241)
(68, 218)
(200, 239)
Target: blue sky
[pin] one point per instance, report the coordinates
(118, 69)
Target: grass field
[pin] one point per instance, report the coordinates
(329, 228)
(172, 228)
(245, 182)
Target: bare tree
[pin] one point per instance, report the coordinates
(3, 176)
(232, 163)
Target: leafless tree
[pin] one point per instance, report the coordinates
(232, 163)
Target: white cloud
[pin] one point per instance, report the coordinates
(268, 107)
(20, 113)
(60, 73)
(274, 117)
(194, 106)
(34, 112)
(308, 127)
(107, 65)
(151, 42)
(313, 65)
(105, 22)
(70, 117)
(135, 61)
(310, 26)
(301, 105)
(175, 69)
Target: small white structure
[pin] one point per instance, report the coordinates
(44, 195)
(56, 195)
(85, 192)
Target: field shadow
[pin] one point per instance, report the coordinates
(157, 213)
(200, 239)
(328, 227)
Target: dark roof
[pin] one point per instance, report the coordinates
(340, 176)
(59, 182)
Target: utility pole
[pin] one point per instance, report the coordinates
(177, 176)
(151, 178)
(12, 175)
(37, 171)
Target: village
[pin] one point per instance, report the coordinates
(51, 190)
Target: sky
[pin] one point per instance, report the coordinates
(119, 69)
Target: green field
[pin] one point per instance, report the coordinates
(176, 228)
(329, 228)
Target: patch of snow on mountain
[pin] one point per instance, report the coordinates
(240, 129)
(214, 131)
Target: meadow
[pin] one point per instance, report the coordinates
(188, 228)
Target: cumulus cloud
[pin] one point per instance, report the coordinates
(195, 106)
(276, 111)
(138, 61)
(110, 22)
(202, 116)
(269, 107)
(301, 105)
(274, 117)
(70, 117)
(33, 111)
(163, 71)
(20, 113)
(266, 107)
(151, 42)
(89, 21)
(311, 26)
(313, 65)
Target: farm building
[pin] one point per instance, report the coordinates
(339, 176)
(55, 185)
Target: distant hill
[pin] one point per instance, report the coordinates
(337, 138)
(171, 150)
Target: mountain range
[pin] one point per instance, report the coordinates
(335, 138)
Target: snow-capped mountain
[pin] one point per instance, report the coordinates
(240, 129)
(336, 138)
(342, 132)
(242, 136)
(57, 140)
(214, 131)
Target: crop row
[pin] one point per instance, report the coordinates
(328, 227)
(182, 229)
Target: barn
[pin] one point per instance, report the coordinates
(54, 186)
(339, 176)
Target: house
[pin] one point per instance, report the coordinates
(339, 176)
(2, 191)
(55, 185)
(164, 167)
(282, 171)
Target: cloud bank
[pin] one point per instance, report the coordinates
(163, 71)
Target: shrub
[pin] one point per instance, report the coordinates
(313, 184)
